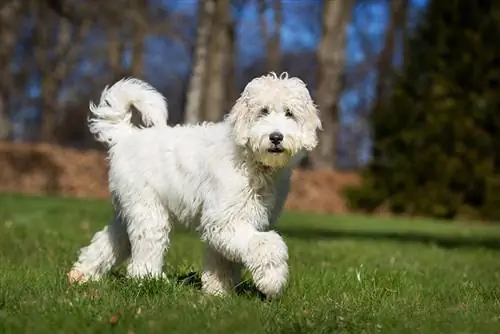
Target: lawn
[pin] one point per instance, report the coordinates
(349, 274)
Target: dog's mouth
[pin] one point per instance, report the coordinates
(276, 149)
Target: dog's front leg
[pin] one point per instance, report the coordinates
(220, 275)
(265, 254)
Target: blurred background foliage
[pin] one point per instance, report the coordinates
(407, 89)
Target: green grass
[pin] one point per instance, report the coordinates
(349, 274)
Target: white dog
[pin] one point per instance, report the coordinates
(227, 180)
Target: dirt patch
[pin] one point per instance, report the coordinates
(48, 169)
(320, 191)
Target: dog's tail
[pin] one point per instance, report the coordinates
(112, 117)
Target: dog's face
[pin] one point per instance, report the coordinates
(275, 118)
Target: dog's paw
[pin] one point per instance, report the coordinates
(216, 286)
(214, 291)
(273, 282)
(150, 277)
(268, 263)
(75, 276)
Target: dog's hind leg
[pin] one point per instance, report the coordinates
(219, 274)
(148, 228)
(108, 247)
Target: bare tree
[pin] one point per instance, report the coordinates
(264, 28)
(214, 102)
(232, 69)
(55, 59)
(397, 23)
(9, 20)
(196, 89)
(271, 41)
(331, 58)
(139, 34)
(115, 50)
(275, 41)
(55, 55)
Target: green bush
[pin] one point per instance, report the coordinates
(437, 137)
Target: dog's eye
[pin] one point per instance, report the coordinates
(288, 113)
(264, 111)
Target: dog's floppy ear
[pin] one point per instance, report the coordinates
(239, 118)
(312, 124)
(311, 120)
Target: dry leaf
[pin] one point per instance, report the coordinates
(114, 319)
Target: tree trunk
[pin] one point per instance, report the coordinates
(53, 70)
(275, 41)
(397, 22)
(9, 21)
(264, 31)
(196, 89)
(49, 111)
(55, 60)
(403, 27)
(115, 52)
(271, 41)
(232, 71)
(331, 58)
(214, 102)
(4, 119)
(138, 38)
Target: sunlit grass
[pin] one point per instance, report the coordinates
(349, 274)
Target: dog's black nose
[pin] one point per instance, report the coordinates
(276, 137)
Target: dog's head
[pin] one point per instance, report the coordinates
(276, 118)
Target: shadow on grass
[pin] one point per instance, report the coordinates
(244, 288)
(448, 242)
(193, 280)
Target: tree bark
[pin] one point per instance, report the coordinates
(214, 102)
(331, 58)
(54, 61)
(52, 71)
(115, 51)
(9, 20)
(196, 89)
(138, 39)
(275, 41)
(264, 30)
(399, 9)
(272, 41)
(232, 71)
(49, 111)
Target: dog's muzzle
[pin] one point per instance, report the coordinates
(276, 138)
(276, 149)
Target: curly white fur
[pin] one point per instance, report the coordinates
(227, 180)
